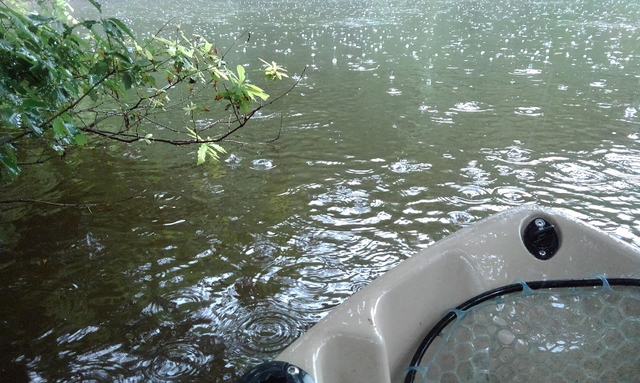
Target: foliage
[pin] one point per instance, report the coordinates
(62, 79)
(273, 71)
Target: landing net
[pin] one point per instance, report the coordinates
(542, 331)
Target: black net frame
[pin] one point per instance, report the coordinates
(518, 287)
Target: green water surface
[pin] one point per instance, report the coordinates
(413, 120)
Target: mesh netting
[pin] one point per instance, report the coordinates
(583, 334)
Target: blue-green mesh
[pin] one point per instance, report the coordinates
(561, 335)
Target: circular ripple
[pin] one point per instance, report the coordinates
(469, 107)
(262, 164)
(532, 111)
(193, 294)
(233, 161)
(317, 279)
(578, 174)
(98, 371)
(461, 218)
(265, 329)
(407, 166)
(314, 288)
(176, 361)
(318, 290)
(473, 191)
(511, 195)
(470, 195)
(173, 300)
(628, 162)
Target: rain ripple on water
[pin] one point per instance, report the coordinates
(531, 111)
(470, 107)
(262, 164)
(177, 360)
(266, 328)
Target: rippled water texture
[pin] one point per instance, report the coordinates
(414, 119)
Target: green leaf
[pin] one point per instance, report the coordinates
(192, 133)
(121, 25)
(185, 51)
(93, 95)
(178, 65)
(64, 127)
(217, 74)
(66, 118)
(97, 5)
(32, 103)
(152, 81)
(253, 90)
(141, 63)
(212, 153)
(88, 23)
(99, 70)
(59, 128)
(202, 153)
(126, 79)
(241, 77)
(10, 117)
(111, 29)
(81, 139)
(9, 160)
(126, 59)
(169, 43)
(218, 148)
(138, 47)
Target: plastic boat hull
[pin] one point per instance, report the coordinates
(372, 336)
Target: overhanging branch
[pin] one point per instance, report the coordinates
(241, 121)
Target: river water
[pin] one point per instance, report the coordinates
(413, 119)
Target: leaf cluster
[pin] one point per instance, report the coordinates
(61, 79)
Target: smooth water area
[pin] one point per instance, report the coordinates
(413, 120)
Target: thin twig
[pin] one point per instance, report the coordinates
(38, 161)
(161, 125)
(248, 116)
(162, 27)
(240, 143)
(29, 200)
(234, 43)
(279, 131)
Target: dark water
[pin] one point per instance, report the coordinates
(414, 119)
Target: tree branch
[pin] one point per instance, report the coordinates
(133, 137)
(10, 139)
(113, 135)
(73, 104)
(248, 116)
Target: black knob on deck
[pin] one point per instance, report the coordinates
(276, 372)
(541, 239)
